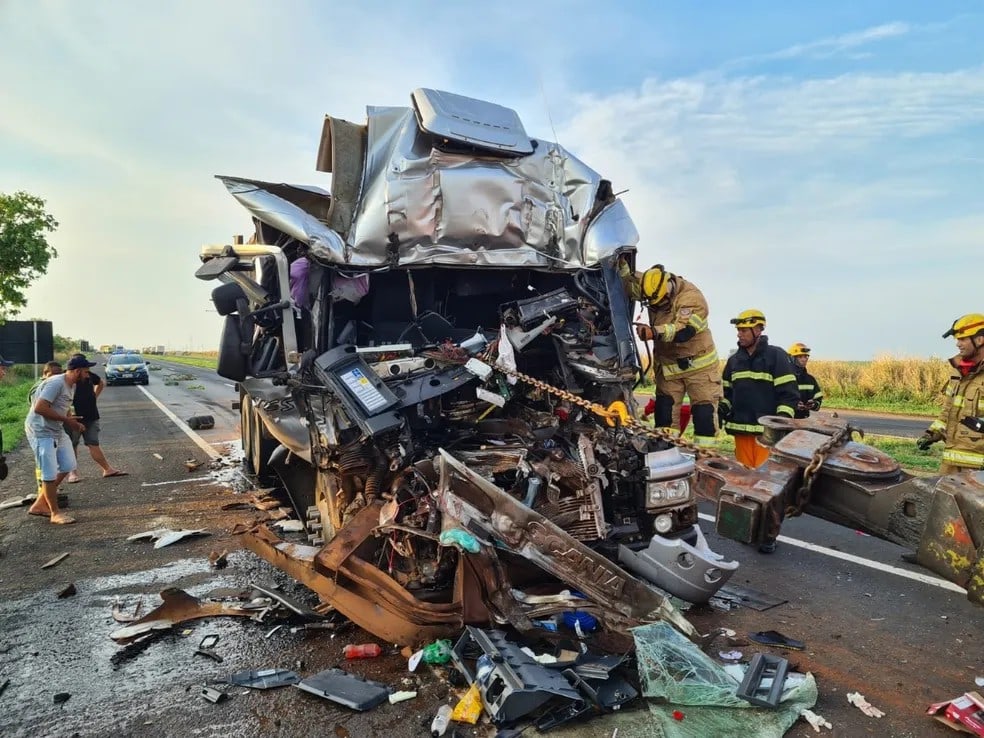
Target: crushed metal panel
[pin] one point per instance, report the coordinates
(481, 506)
(356, 592)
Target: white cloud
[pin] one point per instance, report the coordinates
(801, 198)
(827, 47)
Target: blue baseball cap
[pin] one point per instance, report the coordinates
(4, 362)
(79, 362)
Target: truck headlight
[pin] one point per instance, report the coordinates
(663, 493)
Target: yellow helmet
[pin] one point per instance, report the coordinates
(655, 284)
(799, 349)
(966, 326)
(749, 319)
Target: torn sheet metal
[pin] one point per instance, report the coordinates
(177, 607)
(464, 496)
(463, 208)
(165, 536)
(356, 588)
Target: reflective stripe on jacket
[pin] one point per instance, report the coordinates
(964, 398)
(684, 313)
(762, 383)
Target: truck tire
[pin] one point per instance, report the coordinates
(257, 446)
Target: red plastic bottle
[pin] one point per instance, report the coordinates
(362, 651)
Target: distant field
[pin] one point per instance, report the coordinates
(203, 359)
(887, 384)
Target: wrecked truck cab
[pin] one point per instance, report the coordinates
(437, 360)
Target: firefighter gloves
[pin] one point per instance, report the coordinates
(928, 439)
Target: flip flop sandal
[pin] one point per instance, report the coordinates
(40, 514)
(777, 639)
(116, 473)
(63, 520)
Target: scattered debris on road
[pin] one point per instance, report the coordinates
(55, 561)
(858, 700)
(964, 713)
(165, 536)
(200, 422)
(214, 695)
(264, 678)
(219, 560)
(67, 591)
(177, 607)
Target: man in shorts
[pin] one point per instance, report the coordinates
(51, 445)
(87, 390)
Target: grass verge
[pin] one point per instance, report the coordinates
(14, 391)
(204, 362)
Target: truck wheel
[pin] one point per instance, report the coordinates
(257, 447)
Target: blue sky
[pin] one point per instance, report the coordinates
(821, 162)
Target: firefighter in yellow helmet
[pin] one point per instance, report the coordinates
(685, 361)
(961, 422)
(810, 393)
(758, 379)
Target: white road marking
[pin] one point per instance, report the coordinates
(199, 441)
(888, 569)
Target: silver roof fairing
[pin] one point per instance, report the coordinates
(452, 209)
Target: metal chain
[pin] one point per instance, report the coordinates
(809, 474)
(630, 424)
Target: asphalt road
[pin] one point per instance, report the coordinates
(870, 622)
(880, 424)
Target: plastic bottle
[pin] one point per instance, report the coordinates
(362, 651)
(439, 725)
(483, 667)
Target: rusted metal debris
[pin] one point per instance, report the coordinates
(177, 607)
(218, 560)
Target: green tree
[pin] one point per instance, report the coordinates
(24, 248)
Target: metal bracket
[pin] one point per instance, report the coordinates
(753, 687)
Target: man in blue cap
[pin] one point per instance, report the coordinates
(3, 366)
(52, 448)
